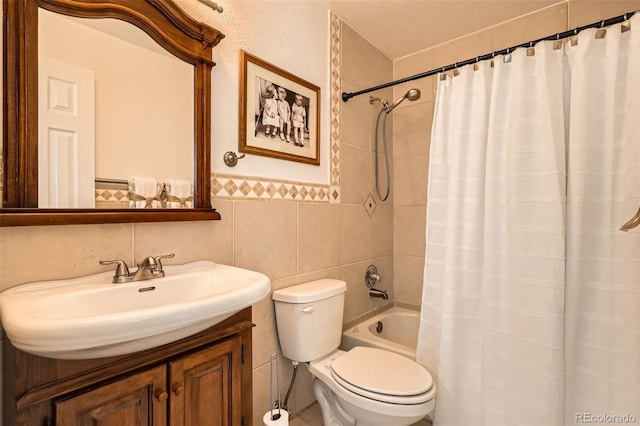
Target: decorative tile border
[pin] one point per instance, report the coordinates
(257, 188)
(112, 195)
(335, 100)
(251, 187)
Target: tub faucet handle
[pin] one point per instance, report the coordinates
(371, 277)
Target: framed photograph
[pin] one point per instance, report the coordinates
(279, 113)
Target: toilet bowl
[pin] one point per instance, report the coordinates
(364, 386)
(354, 387)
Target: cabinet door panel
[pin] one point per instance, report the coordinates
(138, 400)
(206, 387)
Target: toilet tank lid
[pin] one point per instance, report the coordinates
(310, 292)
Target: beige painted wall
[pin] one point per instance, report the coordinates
(412, 121)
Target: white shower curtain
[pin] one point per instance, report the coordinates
(603, 263)
(493, 313)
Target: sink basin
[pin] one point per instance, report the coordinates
(89, 317)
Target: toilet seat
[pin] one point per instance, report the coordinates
(383, 376)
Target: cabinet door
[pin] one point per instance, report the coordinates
(138, 400)
(206, 386)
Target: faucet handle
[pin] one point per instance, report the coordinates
(122, 270)
(162, 256)
(371, 276)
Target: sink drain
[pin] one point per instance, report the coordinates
(379, 327)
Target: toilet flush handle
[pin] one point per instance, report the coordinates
(308, 309)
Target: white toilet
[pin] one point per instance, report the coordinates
(364, 386)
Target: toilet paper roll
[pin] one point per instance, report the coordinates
(283, 420)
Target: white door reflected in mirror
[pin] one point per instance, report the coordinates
(66, 135)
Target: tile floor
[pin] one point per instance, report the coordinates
(312, 416)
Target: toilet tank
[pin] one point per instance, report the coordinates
(309, 318)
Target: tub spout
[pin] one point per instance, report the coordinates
(374, 292)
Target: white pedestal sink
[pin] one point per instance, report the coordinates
(89, 317)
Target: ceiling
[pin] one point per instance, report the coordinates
(401, 27)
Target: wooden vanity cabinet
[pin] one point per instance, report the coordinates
(134, 400)
(203, 380)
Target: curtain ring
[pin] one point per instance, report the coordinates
(557, 45)
(507, 57)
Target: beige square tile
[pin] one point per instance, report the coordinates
(313, 415)
(409, 66)
(461, 49)
(355, 119)
(381, 68)
(541, 23)
(190, 241)
(409, 230)
(583, 12)
(382, 225)
(408, 279)
(383, 163)
(326, 273)
(410, 180)
(67, 251)
(356, 299)
(318, 237)
(304, 391)
(385, 270)
(298, 421)
(355, 164)
(355, 233)
(362, 64)
(265, 237)
(412, 129)
(261, 382)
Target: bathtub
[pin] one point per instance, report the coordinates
(399, 332)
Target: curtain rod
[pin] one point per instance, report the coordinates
(600, 24)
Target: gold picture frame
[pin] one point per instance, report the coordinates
(279, 113)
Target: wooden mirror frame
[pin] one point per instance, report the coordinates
(165, 23)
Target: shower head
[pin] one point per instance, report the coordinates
(412, 95)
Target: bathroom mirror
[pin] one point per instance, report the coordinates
(175, 35)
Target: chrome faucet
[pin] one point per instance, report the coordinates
(371, 278)
(150, 267)
(374, 292)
